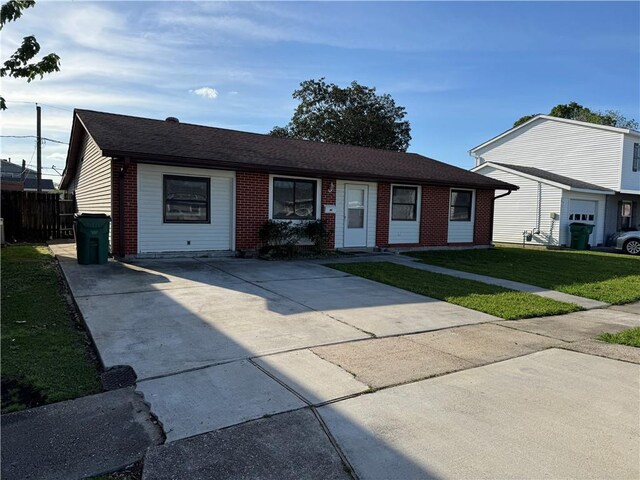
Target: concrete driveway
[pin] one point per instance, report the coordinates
(240, 358)
(168, 316)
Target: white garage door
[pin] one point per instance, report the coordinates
(158, 233)
(584, 211)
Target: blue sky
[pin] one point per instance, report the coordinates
(463, 70)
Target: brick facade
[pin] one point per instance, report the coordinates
(482, 230)
(252, 211)
(382, 215)
(434, 222)
(434, 218)
(252, 208)
(130, 172)
(328, 197)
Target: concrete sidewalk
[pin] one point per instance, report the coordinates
(585, 303)
(78, 438)
(551, 414)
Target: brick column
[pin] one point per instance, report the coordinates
(252, 208)
(434, 224)
(483, 217)
(130, 195)
(328, 197)
(382, 214)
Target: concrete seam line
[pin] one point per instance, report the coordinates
(135, 292)
(276, 379)
(255, 284)
(330, 344)
(335, 444)
(527, 331)
(305, 278)
(569, 349)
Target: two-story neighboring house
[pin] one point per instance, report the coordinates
(568, 171)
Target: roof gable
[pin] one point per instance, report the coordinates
(538, 118)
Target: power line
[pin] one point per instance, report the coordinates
(33, 136)
(42, 104)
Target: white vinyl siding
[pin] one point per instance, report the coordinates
(405, 231)
(92, 183)
(526, 209)
(462, 231)
(372, 201)
(581, 152)
(155, 236)
(630, 181)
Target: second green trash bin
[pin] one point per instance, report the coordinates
(92, 238)
(580, 235)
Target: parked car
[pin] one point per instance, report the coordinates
(628, 242)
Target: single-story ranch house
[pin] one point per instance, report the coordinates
(176, 187)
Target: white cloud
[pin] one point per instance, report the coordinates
(206, 92)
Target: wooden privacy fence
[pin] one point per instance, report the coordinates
(36, 217)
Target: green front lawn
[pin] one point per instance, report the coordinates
(491, 299)
(45, 354)
(606, 277)
(629, 337)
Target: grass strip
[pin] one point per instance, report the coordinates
(606, 277)
(46, 355)
(630, 337)
(492, 299)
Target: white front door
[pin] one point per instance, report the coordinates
(355, 215)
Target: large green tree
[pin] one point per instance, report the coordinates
(21, 64)
(354, 115)
(575, 111)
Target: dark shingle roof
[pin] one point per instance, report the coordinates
(161, 141)
(553, 177)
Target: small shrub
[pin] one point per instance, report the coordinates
(315, 232)
(278, 238)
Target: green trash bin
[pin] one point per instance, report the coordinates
(580, 235)
(92, 238)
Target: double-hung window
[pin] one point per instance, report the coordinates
(404, 204)
(294, 199)
(186, 199)
(460, 206)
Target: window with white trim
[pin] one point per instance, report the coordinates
(186, 199)
(636, 157)
(460, 205)
(404, 203)
(294, 199)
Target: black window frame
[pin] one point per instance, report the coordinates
(635, 165)
(451, 206)
(206, 180)
(415, 204)
(295, 181)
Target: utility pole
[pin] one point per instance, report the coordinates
(39, 147)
